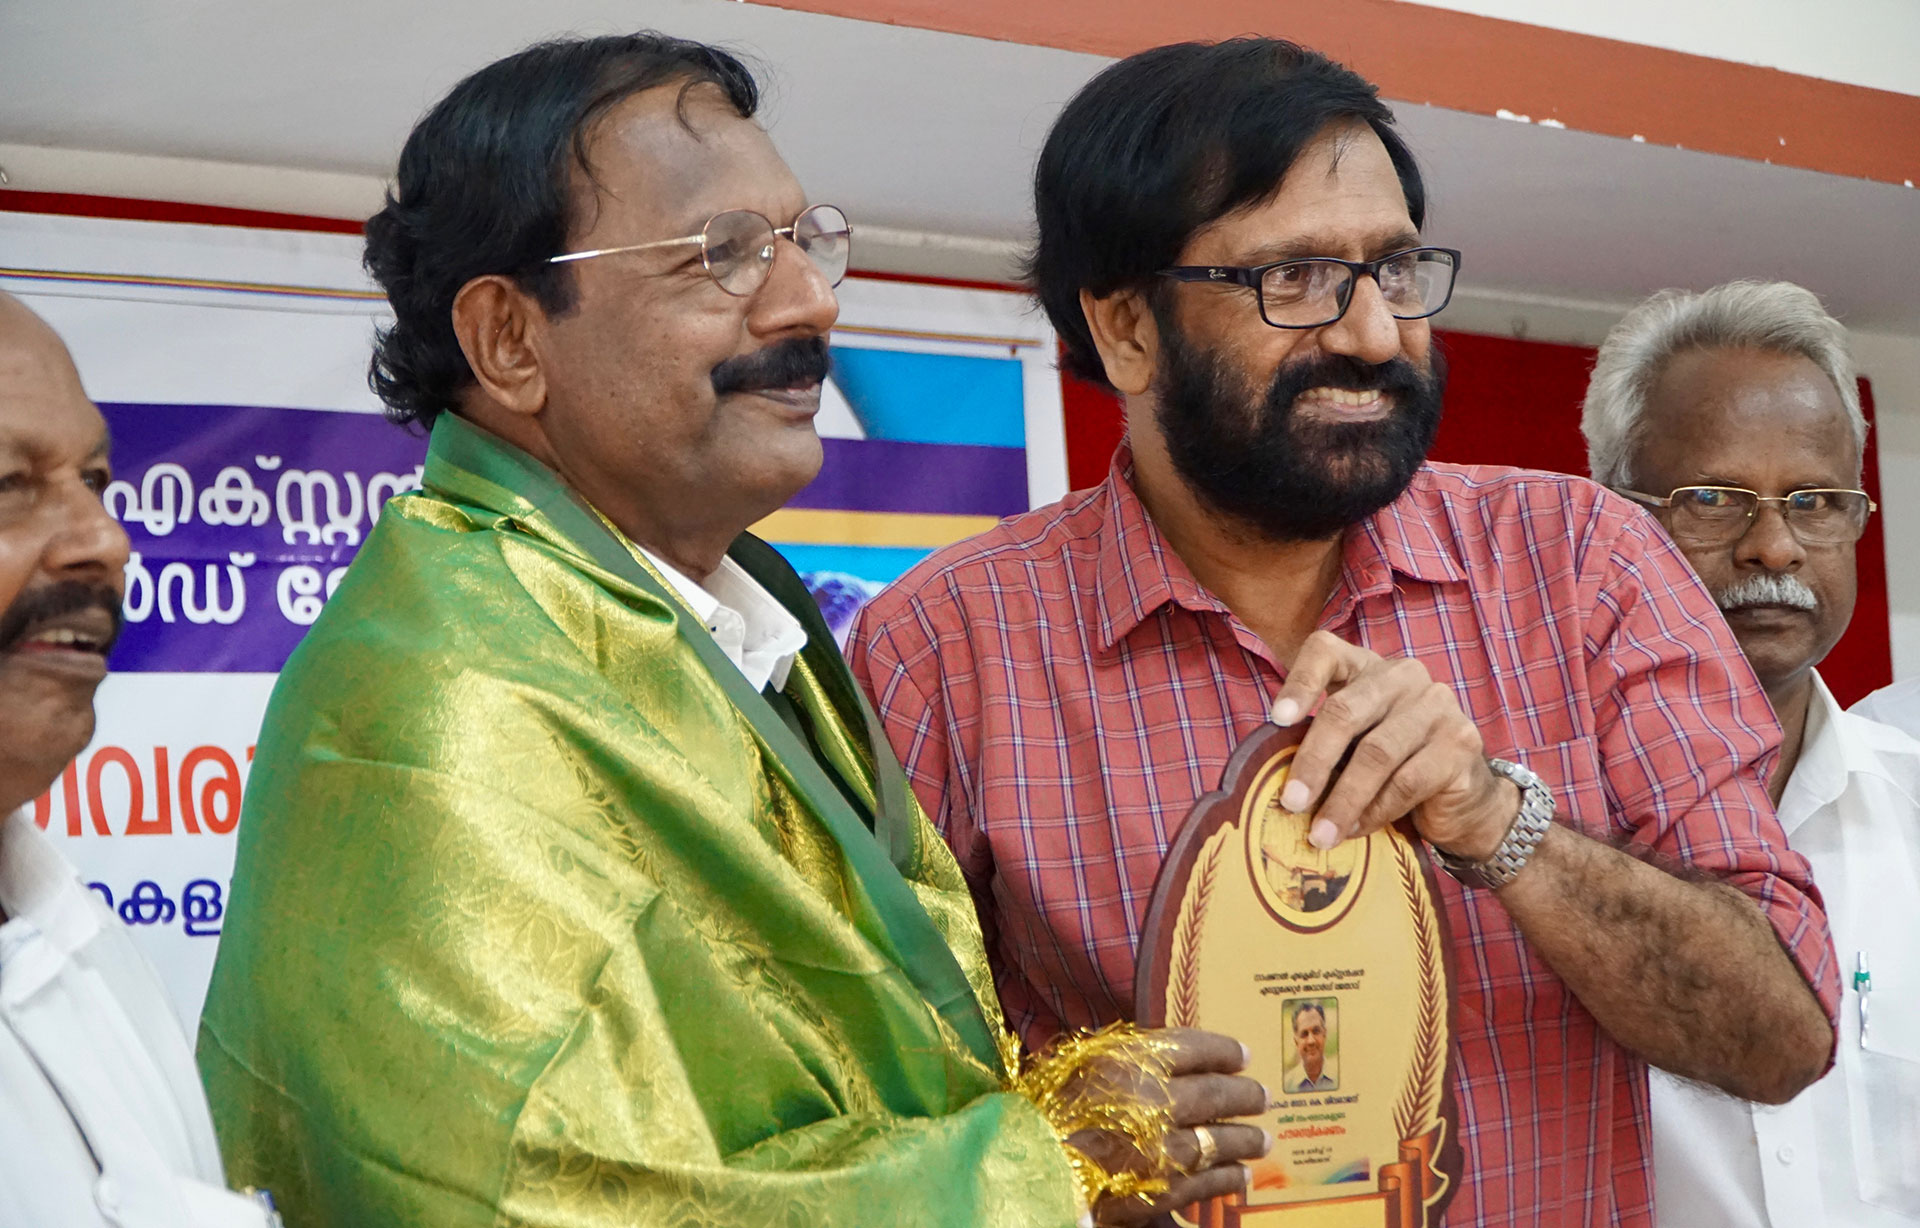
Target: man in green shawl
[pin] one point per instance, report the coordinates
(574, 886)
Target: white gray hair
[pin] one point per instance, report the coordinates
(1777, 316)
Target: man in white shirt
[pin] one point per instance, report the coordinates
(102, 1120)
(1734, 416)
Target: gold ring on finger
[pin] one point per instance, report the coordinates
(1208, 1148)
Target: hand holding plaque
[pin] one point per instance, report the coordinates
(1388, 743)
(1201, 1155)
(1331, 965)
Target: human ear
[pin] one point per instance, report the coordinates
(499, 326)
(1127, 337)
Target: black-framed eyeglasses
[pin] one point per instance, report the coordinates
(736, 247)
(1317, 291)
(1719, 515)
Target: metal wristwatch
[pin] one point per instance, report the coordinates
(1529, 828)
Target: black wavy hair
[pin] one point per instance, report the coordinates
(1167, 141)
(484, 186)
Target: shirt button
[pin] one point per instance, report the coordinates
(106, 1196)
(1784, 1155)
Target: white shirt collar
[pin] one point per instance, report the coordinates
(27, 878)
(753, 629)
(44, 900)
(1834, 745)
(39, 885)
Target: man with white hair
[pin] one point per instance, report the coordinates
(1734, 416)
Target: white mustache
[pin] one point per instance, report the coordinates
(1767, 589)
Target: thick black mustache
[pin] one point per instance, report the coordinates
(1397, 377)
(793, 363)
(50, 601)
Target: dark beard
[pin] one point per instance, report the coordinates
(1287, 478)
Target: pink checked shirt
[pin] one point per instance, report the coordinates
(1061, 690)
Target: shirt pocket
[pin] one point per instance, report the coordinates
(1883, 1099)
(1571, 770)
(1883, 1072)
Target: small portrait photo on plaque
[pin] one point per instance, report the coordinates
(1313, 1045)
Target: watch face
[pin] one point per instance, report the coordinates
(1466, 873)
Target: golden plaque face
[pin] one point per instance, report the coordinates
(1331, 965)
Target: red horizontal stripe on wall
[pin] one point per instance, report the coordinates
(16, 200)
(1483, 65)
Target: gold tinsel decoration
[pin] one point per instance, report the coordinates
(1072, 1082)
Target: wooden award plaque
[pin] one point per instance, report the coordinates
(1255, 933)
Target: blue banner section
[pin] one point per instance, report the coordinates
(880, 565)
(934, 398)
(242, 520)
(844, 578)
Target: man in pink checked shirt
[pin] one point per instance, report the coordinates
(1229, 236)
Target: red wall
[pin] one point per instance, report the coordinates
(1518, 403)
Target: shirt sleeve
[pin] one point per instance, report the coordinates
(1687, 739)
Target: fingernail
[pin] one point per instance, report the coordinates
(1324, 834)
(1268, 1145)
(1246, 1179)
(1295, 795)
(1266, 1096)
(1246, 1055)
(1286, 711)
(1086, 1219)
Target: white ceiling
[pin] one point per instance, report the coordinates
(923, 131)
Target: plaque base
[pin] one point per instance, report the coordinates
(1407, 1187)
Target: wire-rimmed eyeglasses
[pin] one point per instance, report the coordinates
(737, 246)
(1718, 515)
(1316, 291)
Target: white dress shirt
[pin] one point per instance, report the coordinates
(753, 629)
(102, 1120)
(1845, 1153)
(1897, 704)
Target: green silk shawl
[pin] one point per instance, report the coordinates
(543, 916)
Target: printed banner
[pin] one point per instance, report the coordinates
(251, 462)
(242, 521)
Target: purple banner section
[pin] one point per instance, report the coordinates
(242, 518)
(242, 521)
(886, 475)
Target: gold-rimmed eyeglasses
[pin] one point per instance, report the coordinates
(1718, 515)
(737, 246)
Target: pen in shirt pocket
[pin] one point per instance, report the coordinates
(1862, 986)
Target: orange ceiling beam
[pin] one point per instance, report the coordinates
(1484, 65)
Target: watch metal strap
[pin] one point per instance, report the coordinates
(1528, 830)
